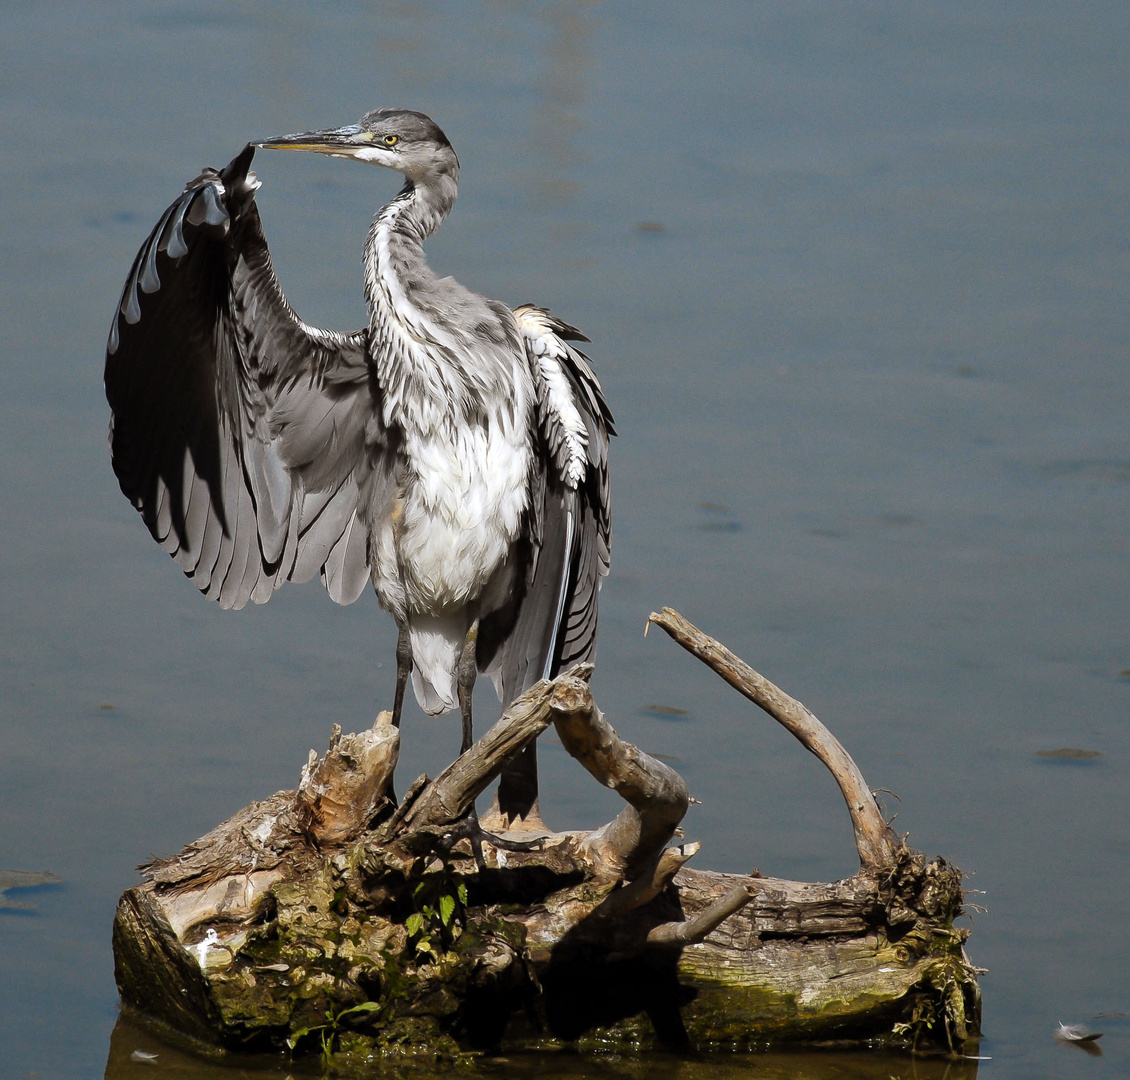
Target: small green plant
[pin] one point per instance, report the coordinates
(330, 1030)
(439, 898)
(921, 1020)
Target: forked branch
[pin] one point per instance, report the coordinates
(656, 795)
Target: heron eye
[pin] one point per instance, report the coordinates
(391, 140)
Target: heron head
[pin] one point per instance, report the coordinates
(400, 139)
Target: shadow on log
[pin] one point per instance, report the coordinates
(329, 918)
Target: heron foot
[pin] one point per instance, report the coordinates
(468, 828)
(494, 820)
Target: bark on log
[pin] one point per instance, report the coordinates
(324, 917)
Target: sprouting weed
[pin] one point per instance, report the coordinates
(440, 898)
(329, 1031)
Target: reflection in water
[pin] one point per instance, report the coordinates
(137, 1054)
(131, 1047)
(558, 118)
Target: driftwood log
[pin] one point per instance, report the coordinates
(329, 919)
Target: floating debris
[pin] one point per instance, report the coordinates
(650, 227)
(718, 519)
(1070, 753)
(665, 712)
(24, 879)
(1076, 1033)
(144, 1056)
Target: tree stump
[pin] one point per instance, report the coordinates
(328, 919)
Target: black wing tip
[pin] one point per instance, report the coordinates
(564, 330)
(238, 167)
(201, 203)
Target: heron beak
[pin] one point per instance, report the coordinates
(337, 142)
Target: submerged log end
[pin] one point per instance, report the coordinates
(154, 974)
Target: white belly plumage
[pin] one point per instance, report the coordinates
(462, 509)
(459, 515)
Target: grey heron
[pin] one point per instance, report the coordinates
(454, 452)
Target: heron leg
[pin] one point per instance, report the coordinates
(465, 680)
(518, 789)
(403, 670)
(465, 675)
(469, 827)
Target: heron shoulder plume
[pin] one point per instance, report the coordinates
(453, 452)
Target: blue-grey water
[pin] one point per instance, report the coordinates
(856, 276)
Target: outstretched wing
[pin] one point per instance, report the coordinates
(245, 439)
(554, 623)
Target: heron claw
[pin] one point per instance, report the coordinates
(468, 828)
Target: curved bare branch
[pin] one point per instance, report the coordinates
(656, 794)
(874, 840)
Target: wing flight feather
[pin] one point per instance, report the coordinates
(241, 435)
(570, 527)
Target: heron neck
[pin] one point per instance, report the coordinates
(398, 285)
(421, 206)
(395, 266)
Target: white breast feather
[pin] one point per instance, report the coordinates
(462, 512)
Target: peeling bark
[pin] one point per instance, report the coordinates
(339, 795)
(278, 924)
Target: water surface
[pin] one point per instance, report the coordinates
(855, 277)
